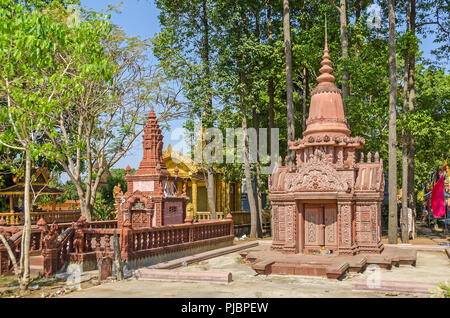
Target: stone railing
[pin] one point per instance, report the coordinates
(239, 217)
(59, 243)
(15, 219)
(207, 215)
(63, 232)
(138, 243)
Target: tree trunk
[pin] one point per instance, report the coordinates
(247, 168)
(11, 255)
(270, 85)
(85, 205)
(393, 222)
(290, 118)
(404, 211)
(26, 232)
(305, 96)
(344, 47)
(117, 257)
(357, 20)
(259, 207)
(412, 95)
(210, 187)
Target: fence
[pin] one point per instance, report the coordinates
(87, 240)
(50, 217)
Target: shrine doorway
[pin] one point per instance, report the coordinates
(320, 226)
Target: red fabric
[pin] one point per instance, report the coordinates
(437, 198)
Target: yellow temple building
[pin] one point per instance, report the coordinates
(227, 194)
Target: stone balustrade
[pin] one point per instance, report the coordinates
(15, 219)
(60, 243)
(239, 217)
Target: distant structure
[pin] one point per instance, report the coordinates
(152, 198)
(327, 200)
(227, 194)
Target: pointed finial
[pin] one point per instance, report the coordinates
(326, 69)
(326, 32)
(152, 114)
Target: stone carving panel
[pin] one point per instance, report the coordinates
(275, 223)
(173, 213)
(140, 219)
(314, 176)
(330, 225)
(311, 225)
(346, 224)
(281, 219)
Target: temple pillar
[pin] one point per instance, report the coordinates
(227, 197)
(238, 197)
(290, 214)
(194, 196)
(368, 227)
(277, 242)
(222, 189)
(345, 226)
(11, 204)
(180, 187)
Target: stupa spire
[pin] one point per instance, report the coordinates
(326, 70)
(152, 148)
(152, 114)
(326, 113)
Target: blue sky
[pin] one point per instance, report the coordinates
(140, 18)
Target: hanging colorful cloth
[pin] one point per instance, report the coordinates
(437, 198)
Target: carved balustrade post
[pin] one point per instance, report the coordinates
(97, 242)
(190, 237)
(126, 243)
(230, 217)
(107, 243)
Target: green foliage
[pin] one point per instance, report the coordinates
(441, 291)
(104, 207)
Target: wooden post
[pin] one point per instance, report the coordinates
(194, 196)
(11, 204)
(54, 204)
(222, 203)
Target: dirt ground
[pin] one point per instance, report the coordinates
(431, 267)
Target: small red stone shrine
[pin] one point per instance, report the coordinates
(152, 199)
(327, 200)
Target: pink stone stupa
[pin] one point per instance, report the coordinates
(152, 198)
(327, 200)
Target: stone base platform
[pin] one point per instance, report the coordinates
(266, 261)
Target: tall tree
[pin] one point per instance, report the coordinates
(33, 83)
(183, 48)
(290, 118)
(392, 179)
(342, 9)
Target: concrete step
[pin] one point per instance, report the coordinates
(264, 267)
(164, 274)
(202, 256)
(337, 270)
(393, 286)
